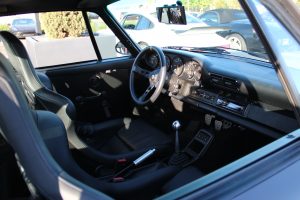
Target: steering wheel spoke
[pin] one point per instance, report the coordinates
(137, 69)
(154, 73)
(148, 90)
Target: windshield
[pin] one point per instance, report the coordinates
(210, 25)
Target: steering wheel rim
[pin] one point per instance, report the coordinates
(156, 77)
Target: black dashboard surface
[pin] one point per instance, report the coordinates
(245, 91)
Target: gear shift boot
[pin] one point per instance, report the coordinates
(179, 159)
(194, 150)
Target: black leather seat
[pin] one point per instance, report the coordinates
(40, 143)
(120, 138)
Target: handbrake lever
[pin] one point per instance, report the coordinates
(136, 162)
(143, 157)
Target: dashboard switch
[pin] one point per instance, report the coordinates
(234, 107)
(221, 102)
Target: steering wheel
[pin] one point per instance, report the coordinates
(155, 77)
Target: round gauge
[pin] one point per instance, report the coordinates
(190, 74)
(177, 65)
(152, 61)
(189, 70)
(197, 69)
(168, 62)
(197, 76)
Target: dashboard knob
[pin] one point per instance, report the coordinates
(176, 86)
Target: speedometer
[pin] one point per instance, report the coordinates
(177, 65)
(152, 61)
(168, 62)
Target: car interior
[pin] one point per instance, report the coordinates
(159, 119)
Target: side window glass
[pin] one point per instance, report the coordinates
(54, 38)
(106, 40)
(131, 22)
(144, 24)
(210, 18)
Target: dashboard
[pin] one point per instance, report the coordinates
(242, 90)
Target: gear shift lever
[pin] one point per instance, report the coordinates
(176, 126)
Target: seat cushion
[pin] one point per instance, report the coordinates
(137, 135)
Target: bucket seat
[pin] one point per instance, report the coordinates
(120, 138)
(41, 146)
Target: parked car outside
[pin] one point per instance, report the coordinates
(195, 14)
(146, 30)
(236, 28)
(23, 27)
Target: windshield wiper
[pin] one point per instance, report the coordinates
(222, 51)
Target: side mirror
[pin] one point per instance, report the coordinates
(172, 14)
(121, 49)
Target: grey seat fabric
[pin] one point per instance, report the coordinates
(53, 133)
(39, 94)
(40, 142)
(45, 80)
(133, 135)
(19, 129)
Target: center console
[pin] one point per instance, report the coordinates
(225, 100)
(195, 149)
(148, 163)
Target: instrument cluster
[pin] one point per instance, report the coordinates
(184, 68)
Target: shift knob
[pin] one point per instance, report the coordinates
(176, 125)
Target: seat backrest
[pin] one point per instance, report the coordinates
(35, 90)
(20, 61)
(20, 130)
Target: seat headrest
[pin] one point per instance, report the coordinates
(20, 60)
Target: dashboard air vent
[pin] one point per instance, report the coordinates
(222, 81)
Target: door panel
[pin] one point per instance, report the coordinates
(99, 90)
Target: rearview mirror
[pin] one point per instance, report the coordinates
(171, 14)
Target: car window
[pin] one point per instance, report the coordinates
(144, 24)
(106, 40)
(218, 24)
(210, 17)
(23, 22)
(239, 15)
(192, 19)
(131, 22)
(61, 38)
(57, 39)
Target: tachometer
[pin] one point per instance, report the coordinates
(192, 70)
(168, 62)
(189, 70)
(152, 61)
(177, 65)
